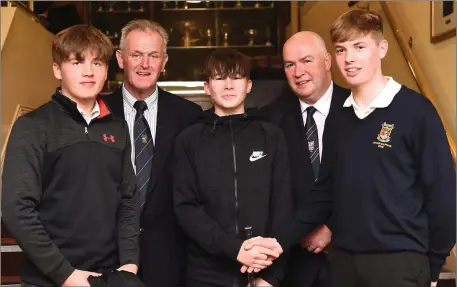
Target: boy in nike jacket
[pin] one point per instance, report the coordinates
(68, 182)
(231, 172)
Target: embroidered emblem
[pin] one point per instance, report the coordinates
(110, 137)
(384, 135)
(144, 138)
(311, 146)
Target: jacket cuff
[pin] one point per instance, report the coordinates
(61, 272)
(274, 274)
(233, 248)
(293, 233)
(130, 261)
(130, 257)
(435, 270)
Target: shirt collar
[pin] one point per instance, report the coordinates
(93, 114)
(130, 100)
(323, 104)
(382, 100)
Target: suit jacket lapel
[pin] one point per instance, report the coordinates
(294, 130)
(115, 102)
(165, 130)
(296, 119)
(164, 137)
(338, 97)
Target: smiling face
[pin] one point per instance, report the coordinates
(143, 59)
(307, 66)
(81, 80)
(359, 60)
(80, 55)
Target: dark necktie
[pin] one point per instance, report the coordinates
(313, 140)
(144, 149)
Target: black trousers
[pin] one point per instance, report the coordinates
(305, 269)
(400, 269)
(196, 283)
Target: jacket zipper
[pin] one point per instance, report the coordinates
(86, 131)
(235, 283)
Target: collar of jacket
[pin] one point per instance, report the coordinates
(236, 122)
(71, 108)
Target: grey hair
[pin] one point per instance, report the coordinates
(143, 25)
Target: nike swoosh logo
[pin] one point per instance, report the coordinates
(253, 158)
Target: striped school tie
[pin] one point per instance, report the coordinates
(312, 140)
(144, 149)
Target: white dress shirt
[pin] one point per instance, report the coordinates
(150, 114)
(94, 114)
(382, 100)
(322, 109)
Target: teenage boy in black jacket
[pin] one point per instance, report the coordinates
(231, 172)
(68, 182)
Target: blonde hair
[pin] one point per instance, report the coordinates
(356, 23)
(143, 25)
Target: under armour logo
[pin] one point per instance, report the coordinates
(256, 155)
(106, 138)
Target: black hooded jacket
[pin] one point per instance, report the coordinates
(231, 172)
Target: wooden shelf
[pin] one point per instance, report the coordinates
(120, 12)
(11, 280)
(217, 9)
(271, 14)
(8, 241)
(218, 47)
(10, 249)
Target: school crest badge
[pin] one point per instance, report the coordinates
(384, 134)
(144, 138)
(311, 146)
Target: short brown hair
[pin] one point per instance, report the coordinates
(357, 23)
(227, 63)
(143, 25)
(78, 39)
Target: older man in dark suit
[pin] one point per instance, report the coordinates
(303, 112)
(154, 117)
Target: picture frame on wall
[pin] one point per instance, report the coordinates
(442, 20)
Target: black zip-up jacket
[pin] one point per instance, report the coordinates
(69, 192)
(231, 172)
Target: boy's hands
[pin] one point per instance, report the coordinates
(256, 257)
(269, 243)
(79, 278)
(269, 249)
